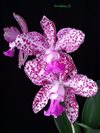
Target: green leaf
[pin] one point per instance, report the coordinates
(93, 131)
(87, 129)
(91, 110)
(77, 128)
(63, 124)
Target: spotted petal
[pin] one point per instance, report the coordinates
(10, 33)
(69, 39)
(41, 99)
(82, 85)
(71, 105)
(22, 23)
(70, 68)
(22, 57)
(35, 70)
(32, 43)
(49, 29)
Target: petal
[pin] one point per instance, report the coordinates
(32, 43)
(70, 68)
(64, 66)
(35, 70)
(9, 52)
(41, 99)
(71, 105)
(21, 22)
(22, 57)
(55, 109)
(82, 85)
(10, 33)
(49, 29)
(69, 39)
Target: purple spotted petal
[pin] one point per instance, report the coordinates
(70, 68)
(55, 109)
(82, 85)
(22, 23)
(9, 52)
(71, 105)
(10, 33)
(41, 98)
(32, 43)
(49, 29)
(69, 39)
(64, 66)
(35, 70)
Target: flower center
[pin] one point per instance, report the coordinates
(12, 45)
(57, 91)
(51, 55)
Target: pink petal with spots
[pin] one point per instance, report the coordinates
(82, 85)
(71, 105)
(22, 23)
(49, 29)
(41, 98)
(69, 39)
(70, 68)
(35, 70)
(32, 43)
(10, 33)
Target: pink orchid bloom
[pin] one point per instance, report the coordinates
(10, 35)
(33, 43)
(59, 87)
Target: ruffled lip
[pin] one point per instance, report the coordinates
(55, 109)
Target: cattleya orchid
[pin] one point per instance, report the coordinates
(33, 43)
(55, 71)
(10, 35)
(53, 68)
(59, 87)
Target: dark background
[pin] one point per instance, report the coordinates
(16, 90)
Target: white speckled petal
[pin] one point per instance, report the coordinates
(71, 105)
(41, 98)
(32, 43)
(82, 85)
(70, 68)
(69, 39)
(36, 69)
(22, 57)
(49, 29)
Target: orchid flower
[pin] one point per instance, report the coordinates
(57, 73)
(58, 87)
(34, 43)
(10, 35)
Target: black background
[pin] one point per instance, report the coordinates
(16, 90)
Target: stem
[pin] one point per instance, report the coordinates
(73, 129)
